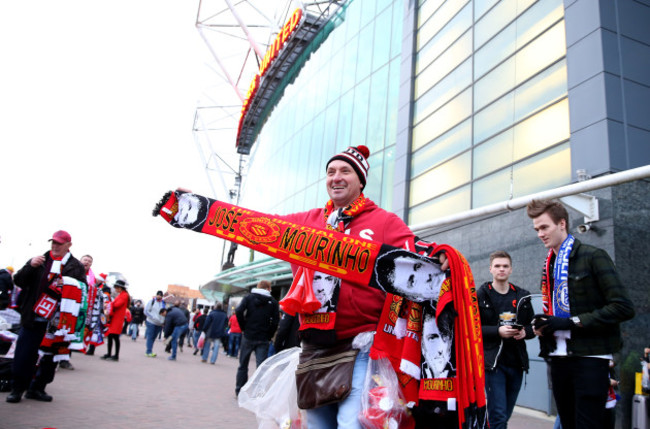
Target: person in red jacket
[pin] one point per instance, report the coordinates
(234, 336)
(347, 309)
(117, 315)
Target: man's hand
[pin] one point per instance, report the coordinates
(507, 331)
(545, 324)
(37, 261)
(521, 334)
(444, 263)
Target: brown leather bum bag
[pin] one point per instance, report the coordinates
(324, 375)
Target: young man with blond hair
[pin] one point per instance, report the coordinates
(584, 305)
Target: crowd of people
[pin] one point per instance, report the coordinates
(56, 304)
(584, 303)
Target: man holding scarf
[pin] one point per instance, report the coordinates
(351, 309)
(378, 258)
(41, 280)
(584, 304)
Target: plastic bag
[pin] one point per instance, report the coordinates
(382, 402)
(271, 392)
(201, 342)
(645, 379)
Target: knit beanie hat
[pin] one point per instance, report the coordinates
(357, 157)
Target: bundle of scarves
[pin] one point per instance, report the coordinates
(78, 343)
(94, 328)
(61, 329)
(360, 261)
(401, 331)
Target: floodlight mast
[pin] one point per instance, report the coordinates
(258, 29)
(254, 45)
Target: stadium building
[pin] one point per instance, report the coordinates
(470, 108)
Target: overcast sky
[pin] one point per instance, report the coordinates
(96, 107)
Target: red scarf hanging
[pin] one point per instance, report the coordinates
(547, 284)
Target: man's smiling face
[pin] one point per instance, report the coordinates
(343, 184)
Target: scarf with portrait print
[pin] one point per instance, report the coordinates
(318, 319)
(399, 338)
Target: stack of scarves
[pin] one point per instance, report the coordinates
(78, 343)
(61, 329)
(400, 333)
(94, 328)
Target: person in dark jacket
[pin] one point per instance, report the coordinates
(137, 317)
(258, 315)
(584, 304)
(215, 330)
(6, 287)
(188, 315)
(506, 322)
(198, 328)
(287, 335)
(41, 279)
(175, 326)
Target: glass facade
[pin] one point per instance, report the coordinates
(490, 113)
(346, 94)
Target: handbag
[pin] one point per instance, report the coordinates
(324, 375)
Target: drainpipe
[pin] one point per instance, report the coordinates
(516, 203)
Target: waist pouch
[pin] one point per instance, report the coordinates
(324, 375)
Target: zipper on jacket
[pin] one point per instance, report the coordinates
(496, 358)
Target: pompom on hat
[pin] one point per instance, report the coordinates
(357, 157)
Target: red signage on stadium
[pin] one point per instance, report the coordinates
(271, 54)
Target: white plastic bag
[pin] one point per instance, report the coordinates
(382, 402)
(271, 392)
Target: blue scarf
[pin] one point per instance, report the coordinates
(561, 279)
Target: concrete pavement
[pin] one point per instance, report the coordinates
(141, 392)
(136, 392)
